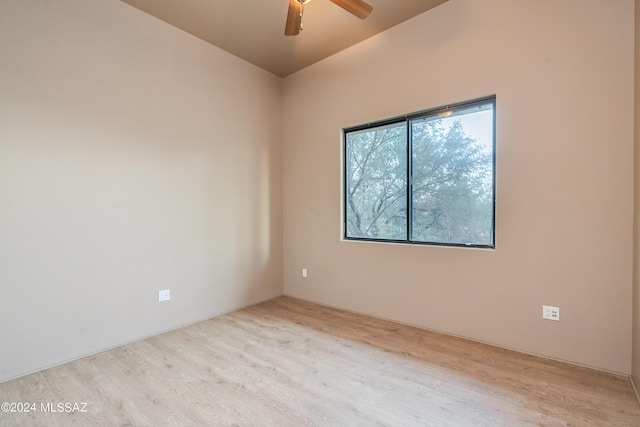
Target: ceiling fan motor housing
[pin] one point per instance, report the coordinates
(293, 26)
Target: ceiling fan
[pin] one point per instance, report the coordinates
(360, 8)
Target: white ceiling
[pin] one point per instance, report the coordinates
(254, 29)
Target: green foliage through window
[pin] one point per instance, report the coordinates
(424, 178)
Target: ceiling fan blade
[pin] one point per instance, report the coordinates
(360, 8)
(294, 18)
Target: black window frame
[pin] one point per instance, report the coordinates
(407, 119)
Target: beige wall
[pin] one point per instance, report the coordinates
(133, 158)
(563, 76)
(635, 366)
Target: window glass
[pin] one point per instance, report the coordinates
(376, 182)
(452, 177)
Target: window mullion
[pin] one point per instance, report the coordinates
(409, 179)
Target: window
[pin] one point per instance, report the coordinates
(424, 178)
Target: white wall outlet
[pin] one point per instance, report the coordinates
(304, 272)
(164, 295)
(551, 313)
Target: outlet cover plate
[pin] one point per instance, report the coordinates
(551, 313)
(164, 295)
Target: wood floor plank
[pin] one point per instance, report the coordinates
(287, 362)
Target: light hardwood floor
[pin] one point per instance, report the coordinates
(291, 363)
